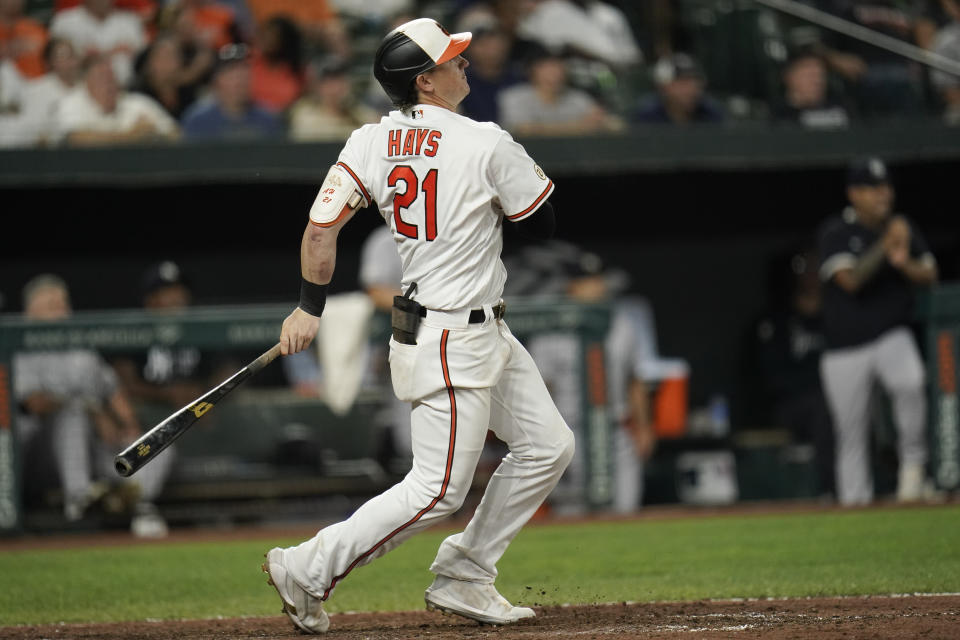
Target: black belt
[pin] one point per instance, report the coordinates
(477, 315)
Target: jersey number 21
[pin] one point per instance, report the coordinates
(405, 173)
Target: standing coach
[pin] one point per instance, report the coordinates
(872, 261)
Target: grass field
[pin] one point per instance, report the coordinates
(873, 551)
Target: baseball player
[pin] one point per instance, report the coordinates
(73, 397)
(871, 261)
(445, 185)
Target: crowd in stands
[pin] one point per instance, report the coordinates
(93, 72)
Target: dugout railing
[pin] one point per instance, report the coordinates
(939, 312)
(255, 444)
(255, 455)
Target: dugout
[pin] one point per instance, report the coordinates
(697, 217)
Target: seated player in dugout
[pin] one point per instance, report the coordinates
(444, 184)
(164, 376)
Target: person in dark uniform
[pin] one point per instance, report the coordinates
(166, 375)
(872, 260)
(787, 346)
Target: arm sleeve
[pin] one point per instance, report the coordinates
(540, 224)
(520, 184)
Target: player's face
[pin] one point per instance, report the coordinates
(49, 303)
(450, 80)
(171, 298)
(873, 203)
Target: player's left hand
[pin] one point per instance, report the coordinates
(298, 331)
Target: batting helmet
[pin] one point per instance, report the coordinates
(411, 49)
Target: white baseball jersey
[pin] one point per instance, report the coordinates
(444, 183)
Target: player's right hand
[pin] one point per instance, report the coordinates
(298, 331)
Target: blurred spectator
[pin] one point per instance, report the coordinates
(161, 75)
(97, 27)
(593, 36)
(208, 24)
(947, 44)
(70, 401)
(787, 344)
(374, 95)
(873, 260)
(589, 28)
(318, 20)
(11, 87)
(328, 109)
(202, 27)
(21, 39)
(660, 27)
(146, 10)
(276, 67)
(99, 112)
(41, 96)
(374, 13)
(681, 97)
(884, 83)
(491, 69)
(229, 112)
(806, 96)
(548, 105)
(246, 28)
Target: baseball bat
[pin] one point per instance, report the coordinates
(147, 446)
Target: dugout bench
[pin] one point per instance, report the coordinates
(264, 451)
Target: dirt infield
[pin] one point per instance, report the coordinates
(933, 617)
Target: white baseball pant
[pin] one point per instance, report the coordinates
(848, 376)
(462, 379)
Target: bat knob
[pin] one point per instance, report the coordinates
(123, 466)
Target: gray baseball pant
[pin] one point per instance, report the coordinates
(848, 376)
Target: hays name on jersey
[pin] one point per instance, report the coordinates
(413, 142)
